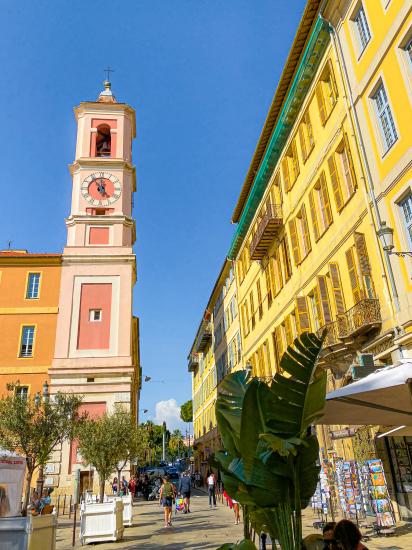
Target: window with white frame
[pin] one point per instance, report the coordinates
(33, 286)
(27, 341)
(95, 315)
(385, 119)
(22, 392)
(362, 28)
(406, 210)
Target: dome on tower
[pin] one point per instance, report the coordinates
(106, 95)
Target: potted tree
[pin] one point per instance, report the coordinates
(270, 459)
(98, 441)
(32, 427)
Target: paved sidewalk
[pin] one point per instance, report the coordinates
(203, 528)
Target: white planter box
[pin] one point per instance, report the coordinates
(30, 533)
(127, 510)
(101, 521)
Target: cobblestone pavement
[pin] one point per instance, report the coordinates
(203, 528)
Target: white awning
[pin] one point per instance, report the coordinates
(382, 398)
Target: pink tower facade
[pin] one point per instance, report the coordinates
(97, 337)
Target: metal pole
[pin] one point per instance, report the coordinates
(74, 525)
(164, 442)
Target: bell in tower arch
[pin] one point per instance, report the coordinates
(103, 141)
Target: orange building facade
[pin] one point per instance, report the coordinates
(29, 298)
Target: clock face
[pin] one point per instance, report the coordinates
(101, 189)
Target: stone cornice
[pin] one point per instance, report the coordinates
(97, 220)
(24, 259)
(69, 259)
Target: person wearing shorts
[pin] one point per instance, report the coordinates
(167, 494)
(185, 485)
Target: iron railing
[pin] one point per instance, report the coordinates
(361, 317)
(270, 221)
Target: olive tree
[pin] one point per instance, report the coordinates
(33, 427)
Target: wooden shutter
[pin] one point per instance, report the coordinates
(286, 257)
(337, 288)
(252, 309)
(314, 215)
(333, 82)
(302, 314)
(325, 198)
(272, 276)
(294, 241)
(324, 299)
(288, 331)
(353, 275)
(296, 166)
(321, 103)
(268, 286)
(303, 141)
(259, 296)
(337, 191)
(286, 175)
(247, 317)
(352, 182)
(278, 342)
(309, 131)
(279, 268)
(306, 236)
(362, 252)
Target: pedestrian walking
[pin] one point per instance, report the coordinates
(184, 489)
(115, 485)
(211, 489)
(132, 486)
(347, 536)
(166, 497)
(236, 509)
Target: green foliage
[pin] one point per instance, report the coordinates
(270, 459)
(242, 545)
(186, 411)
(33, 427)
(154, 441)
(175, 444)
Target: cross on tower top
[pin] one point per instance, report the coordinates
(108, 71)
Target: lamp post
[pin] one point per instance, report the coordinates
(385, 234)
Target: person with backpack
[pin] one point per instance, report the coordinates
(211, 488)
(167, 494)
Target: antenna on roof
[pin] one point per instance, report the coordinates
(10, 244)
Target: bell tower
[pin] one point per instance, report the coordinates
(96, 351)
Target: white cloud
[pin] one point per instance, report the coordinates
(169, 411)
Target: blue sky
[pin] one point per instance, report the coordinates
(201, 75)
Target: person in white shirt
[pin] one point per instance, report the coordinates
(211, 488)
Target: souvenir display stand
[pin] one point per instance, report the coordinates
(350, 489)
(379, 495)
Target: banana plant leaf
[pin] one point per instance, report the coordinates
(243, 545)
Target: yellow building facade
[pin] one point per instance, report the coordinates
(331, 165)
(215, 352)
(29, 300)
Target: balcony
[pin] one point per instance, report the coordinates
(332, 334)
(193, 362)
(361, 318)
(267, 229)
(205, 336)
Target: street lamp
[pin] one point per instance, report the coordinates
(385, 234)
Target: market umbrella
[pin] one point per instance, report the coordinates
(382, 398)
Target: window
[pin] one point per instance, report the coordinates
(302, 315)
(326, 93)
(290, 166)
(27, 341)
(103, 141)
(259, 296)
(95, 315)
(359, 268)
(321, 212)
(252, 309)
(22, 392)
(218, 334)
(302, 239)
(362, 28)
(408, 52)
(268, 285)
(287, 264)
(342, 173)
(406, 209)
(315, 308)
(33, 286)
(385, 118)
(306, 138)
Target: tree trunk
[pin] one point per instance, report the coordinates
(101, 488)
(26, 501)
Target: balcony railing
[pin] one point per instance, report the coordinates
(204, 337)
(267, 229)
(332, 334)
(362, 317)
(193, 361)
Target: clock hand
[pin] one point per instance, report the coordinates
(101, 188)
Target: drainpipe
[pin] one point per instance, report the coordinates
(339, 54)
